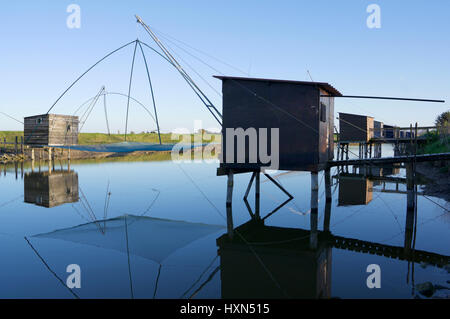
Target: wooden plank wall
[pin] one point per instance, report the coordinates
(36, 130)
(63, 130)
(51, 129)
(355, 128)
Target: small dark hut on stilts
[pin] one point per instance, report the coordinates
(293, 120)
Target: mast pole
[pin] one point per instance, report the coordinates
(180, 69)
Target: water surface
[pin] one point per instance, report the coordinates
(159, 230)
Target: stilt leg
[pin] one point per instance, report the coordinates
(258, 195)
(314, 209)
(411, 206)
(230, 185)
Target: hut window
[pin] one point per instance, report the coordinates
(323, 112)
(39, 120)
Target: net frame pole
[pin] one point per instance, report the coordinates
(151, 91)
(129, 88)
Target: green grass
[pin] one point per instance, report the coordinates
(435, 144)
(10, 135)
(100, 138)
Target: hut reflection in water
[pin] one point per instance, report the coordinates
(51, 188)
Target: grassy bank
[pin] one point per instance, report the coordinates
(100, 138)
(435, 144)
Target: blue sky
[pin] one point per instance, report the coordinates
(407, 57)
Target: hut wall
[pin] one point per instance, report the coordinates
(292, 108)
(355, 128)
(63, 130)
(326, 128)
(51, 129)
(378, 129)
(388, 131)
(36, 130)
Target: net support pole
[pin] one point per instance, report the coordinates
(82, 75)
(229, 203)
(129, 88)
(151, 91)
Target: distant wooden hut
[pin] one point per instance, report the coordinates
(388, 131)
(378, 129)
(51, 130)
(302, 111)
(51, 189)
(354, 128)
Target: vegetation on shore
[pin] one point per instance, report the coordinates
(436, 144)
(439, 141)
(101, 138)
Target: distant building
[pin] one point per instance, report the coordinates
(355, 128)
(378, 129)
(388, 131)
(51, 130)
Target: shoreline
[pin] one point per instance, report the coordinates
(64, 155)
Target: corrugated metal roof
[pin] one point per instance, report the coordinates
(325, 86)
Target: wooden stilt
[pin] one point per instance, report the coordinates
(328, 185)
(327, 216)
(410, 186)
(314, 218)
(258, 195)
(410, 206)
(338, 150)
(229, 203)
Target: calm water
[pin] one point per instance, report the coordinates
(151, 230)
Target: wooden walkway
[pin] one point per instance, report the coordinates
(412, 255)
(392, 160)
(284, 240)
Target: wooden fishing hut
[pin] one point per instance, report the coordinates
(51, 130)
(291, 120)
(354, 128)
(303, 112)
(358, 129)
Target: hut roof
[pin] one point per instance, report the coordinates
(356, 115)
(324, 86)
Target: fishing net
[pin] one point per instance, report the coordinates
(128, 147)
(148, 237)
